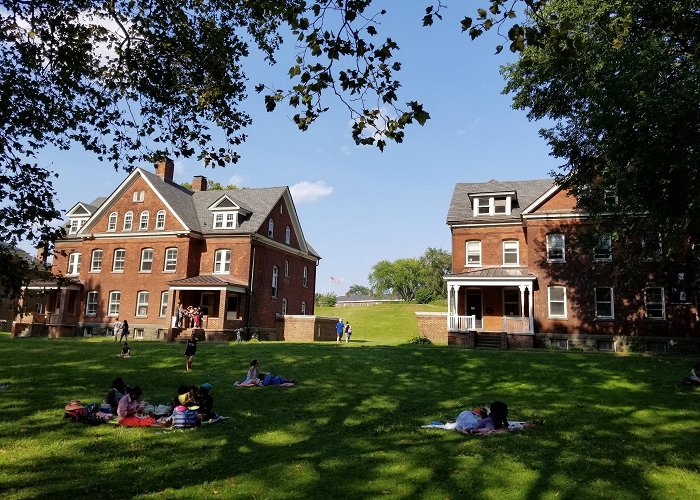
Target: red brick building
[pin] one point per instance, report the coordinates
(516, 275)
(238, 254)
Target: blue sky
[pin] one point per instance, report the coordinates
(357, 205)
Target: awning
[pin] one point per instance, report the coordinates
(209, 282)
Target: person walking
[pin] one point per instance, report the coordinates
(190, 351)
(348, 332)
(339, 327)
(125, 331)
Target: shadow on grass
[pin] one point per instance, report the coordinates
(351, 427)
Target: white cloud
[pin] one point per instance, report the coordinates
(310, 191)
(236, 180)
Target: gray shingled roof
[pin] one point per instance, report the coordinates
(258, 201)
(461, 210)
(178, 197)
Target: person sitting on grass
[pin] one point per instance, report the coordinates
(126, 351)
(497, 420)
(252, 374)
(205, 401)
(130, 410)
(694, 377)
(118, 390)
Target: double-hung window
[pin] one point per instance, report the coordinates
(146, 260)
(163, 304)
(222, 261)
(112, 222)
(287, 235)
(275, 275)
(119, 260)
(603, 249)
(128, 220)
(114, 300)
(305, 277)
(473, 253)
(654, 303)
(91, 304)
(511, 253)
(160, 220)
(286, 268)
(556, 251)
(96, 261)
(556, 302)
(74, 263)
(604, 305)
(142, 304)
(143, 224)
(271, 228)
(170, 260)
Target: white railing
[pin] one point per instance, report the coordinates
(516, 324)
(461, 323)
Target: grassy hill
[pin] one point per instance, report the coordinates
(381, 324)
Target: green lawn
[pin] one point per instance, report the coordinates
(614, 426)
(382, 324)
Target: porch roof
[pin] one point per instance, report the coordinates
(496, 276)
(55, 284)
(208, 282)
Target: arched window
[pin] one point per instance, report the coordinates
(275, 274)
(143, 224)
(270, 228)
(160, 220)
(112, 222)
(128, 220)
(287, 235)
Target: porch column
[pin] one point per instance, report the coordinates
(532, 308)
(457, 287)
(522, 299)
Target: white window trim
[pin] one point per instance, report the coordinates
(167, 260)
(491, 204)
(612, 302)
(608, 237)
(160, 221)
(143, 218)
(113, 302)
(74, 261)
(275, 281)
(130, 217)
(123, 261)
(287, 235)
(663, 304)
(93, 268)
(140, 303)
(549, 303)
(222, 261)
(143, 251)
(517, 253)
(112, 222)
(466, 249)
(270, 228)
(88, 303)
(563, 248)
(164, 298)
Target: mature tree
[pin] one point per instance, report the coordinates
(436, 263)
(624, 95)
(359, 290)
(402, 277)
(212, 186)
(325, 299)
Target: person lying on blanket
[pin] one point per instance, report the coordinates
(267, 379)
(496, 420)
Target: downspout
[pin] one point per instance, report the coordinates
(250, 288)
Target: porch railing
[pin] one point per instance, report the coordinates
(516, 324)
(461, 323)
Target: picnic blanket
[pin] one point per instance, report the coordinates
(450, 426)
(252, 383)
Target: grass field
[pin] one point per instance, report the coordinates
(613, 426)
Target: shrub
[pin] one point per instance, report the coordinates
(424, 296)
(419, 339)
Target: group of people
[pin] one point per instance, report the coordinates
(341, 328)
(254, 377)
(121, 328)
(191, 406)
(188, 317)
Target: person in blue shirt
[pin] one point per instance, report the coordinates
(339, 327)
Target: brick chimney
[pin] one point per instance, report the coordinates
(199, 183)
(165, 169)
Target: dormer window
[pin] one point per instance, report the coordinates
(75, 225)
(493, 203)
(227, 213)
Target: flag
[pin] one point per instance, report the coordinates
(337, 281)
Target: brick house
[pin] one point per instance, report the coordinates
(517, 280)
(238, 254)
